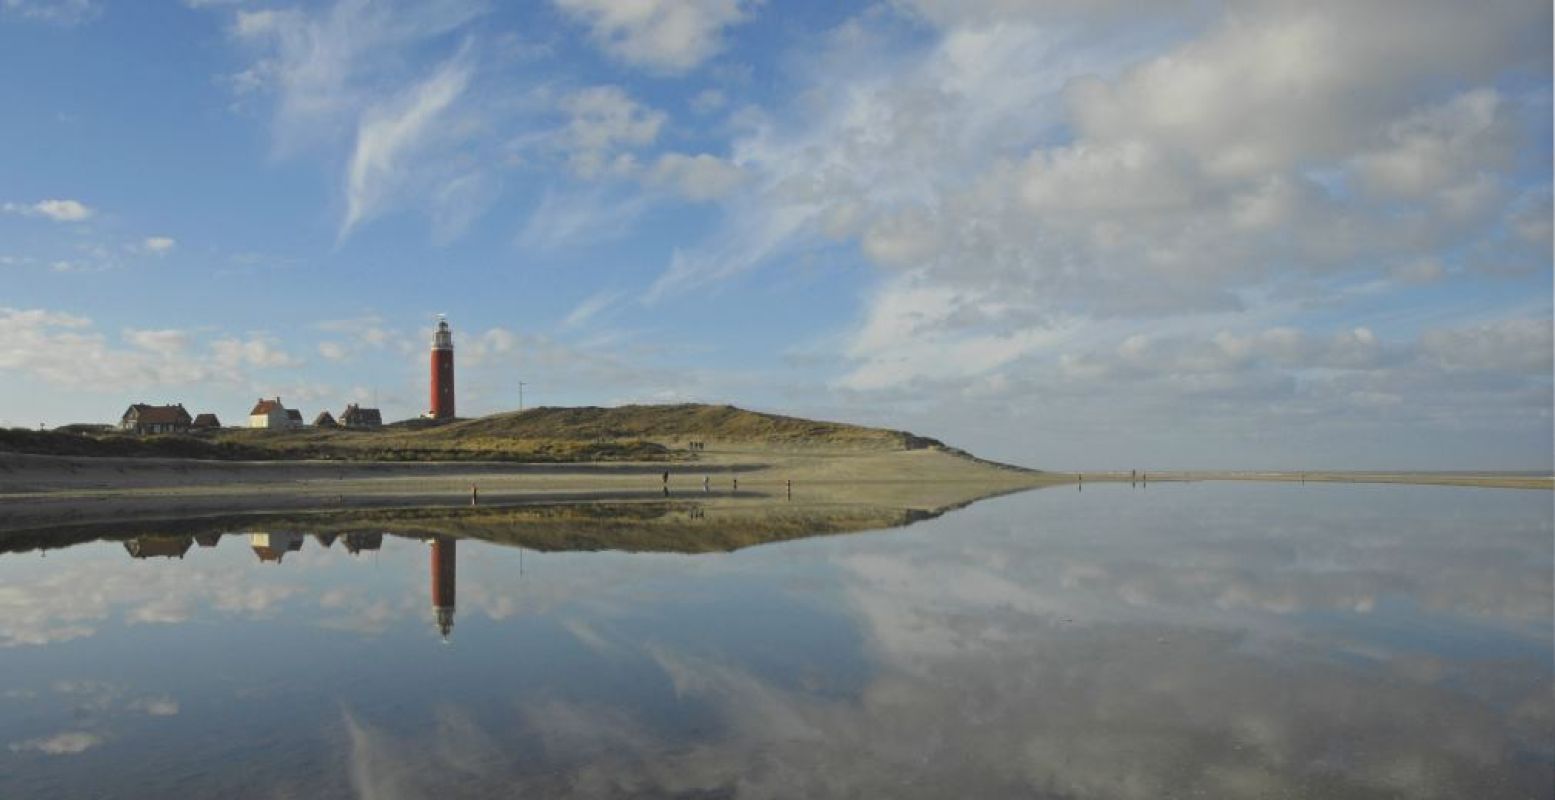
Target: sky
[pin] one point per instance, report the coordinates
(1072, 235)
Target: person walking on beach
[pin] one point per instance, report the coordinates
(475, 495)
(705, 484)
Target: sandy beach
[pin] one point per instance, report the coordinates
(42, 491)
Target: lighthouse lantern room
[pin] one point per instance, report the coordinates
(442, 372)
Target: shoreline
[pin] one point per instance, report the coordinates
(46, 491)
(1466, 478)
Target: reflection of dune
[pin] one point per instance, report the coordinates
(659, 526)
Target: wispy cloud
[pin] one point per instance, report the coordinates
(343, 78)
(590, 308)
(54, 12)
(391, 133)
(57, 210)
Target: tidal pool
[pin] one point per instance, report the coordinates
(1180, 640)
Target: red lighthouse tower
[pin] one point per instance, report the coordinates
(442, 372)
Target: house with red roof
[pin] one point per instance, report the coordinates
(143, 418)
(269, 414)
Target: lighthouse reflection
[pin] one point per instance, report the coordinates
(445, 552)
(272, 547)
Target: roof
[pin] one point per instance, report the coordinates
(149, 414)
(356, 415)
(324, 420)
(206, 421)
(267, 406)
(294, 414)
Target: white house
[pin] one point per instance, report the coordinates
(269, 414)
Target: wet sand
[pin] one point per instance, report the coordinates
(41, 491)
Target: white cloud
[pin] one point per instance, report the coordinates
(1508, 345)
(699, 177)
(1042, 182)
(916, 333)
(344, 77)
(55, 12)
(575, 219)
(57, 210)
(590, 308)
(159, 244)
(68, 350)
(394, 131)
(667, 36)
(256, 351)
(605, 125)
(708, 100)
(334, 351)
(155, 706)
(60, 744)
(167, 342)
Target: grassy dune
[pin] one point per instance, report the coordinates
(540, 435)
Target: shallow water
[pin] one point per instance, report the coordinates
(1180, 640)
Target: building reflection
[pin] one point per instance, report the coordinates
(158, 546)
(357, 542)
(445, 554)
(272, 547)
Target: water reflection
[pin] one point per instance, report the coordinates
(272, 547)
(445, 554)
(158, 546)
(1221, 641)
(358, 542)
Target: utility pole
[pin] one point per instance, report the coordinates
(521, 386)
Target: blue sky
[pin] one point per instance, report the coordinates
(1217, 234)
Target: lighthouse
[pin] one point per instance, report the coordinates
(442, 372)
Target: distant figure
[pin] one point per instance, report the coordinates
(475, 495)
(666, 491)
(705, 484)
(666, 477)
(790, 484)
(736, 484)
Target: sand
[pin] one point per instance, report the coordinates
(40, 491)
(44, 491)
